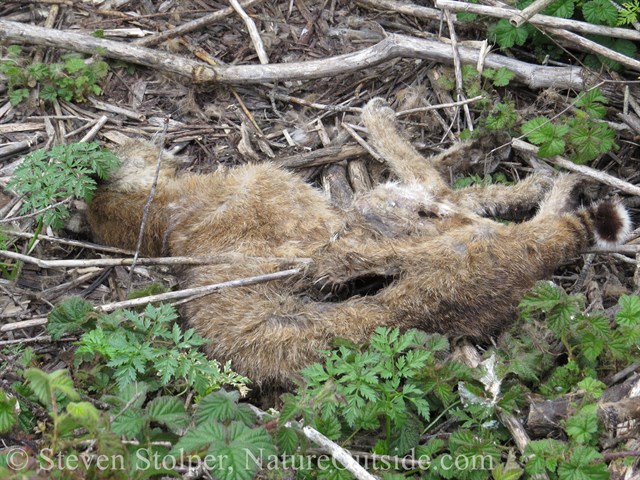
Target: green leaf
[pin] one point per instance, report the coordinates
(506, 35)
(543, 455)
(593, 102)
(551, 148)
(219, 406)
(582, 467)
(129, 423)
(287, 440)
(68, 317)
(235, 451)
(8, 413)
(538, 130)
(509, 471)
(45, 386)
(583, 426)
(590, 140)
(561, 8)
(629, 313)
(502, 77)
(18, 95)
(600, 12)
(85, 414)
(168, 411)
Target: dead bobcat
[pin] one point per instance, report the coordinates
(439, 265)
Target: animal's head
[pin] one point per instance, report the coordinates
(139, 160)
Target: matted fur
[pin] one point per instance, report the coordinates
(447, 268)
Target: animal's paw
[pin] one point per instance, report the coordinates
(377, 111)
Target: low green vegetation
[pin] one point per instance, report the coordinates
(141, 394)
(71, 79)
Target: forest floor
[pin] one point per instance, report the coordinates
(305, 118)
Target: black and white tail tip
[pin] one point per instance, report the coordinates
(612, 224)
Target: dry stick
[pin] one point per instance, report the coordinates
(438, 106)
(523, 16)
(471, 357)
(34, 322)
(188, 293)
(591, 46)
(586, 171)
(339, 453)
(207, 289)
(147, 206)
(404, 8)
(362, 142)
(38, 212)
(540, 20)
(253, 32)
(457, 67)
(91, 134)
(75, 243)
(193, 25)
(116, 262)
(393, 46)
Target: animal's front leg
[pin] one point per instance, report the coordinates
(405, 162)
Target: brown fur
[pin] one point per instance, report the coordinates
(447, 268)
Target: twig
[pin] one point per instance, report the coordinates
(471, 357)
(319, 106)
(162, 297)
(393, 46)
(147, 206)
(524, 15)
(253, 32)
(41, 339)
(38, 212)
(362, 142)
(74, 243)
(587, 171)
(33, 322)
(457, 67)
(193, 25)
(541, 20)
(115, 262)
(591, 46)
(437, 107)
(91, 134)
(337, 452)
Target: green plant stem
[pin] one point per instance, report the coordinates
(430, 426)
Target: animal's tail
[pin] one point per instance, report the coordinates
(611, 223)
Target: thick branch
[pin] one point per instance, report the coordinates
(394, 46)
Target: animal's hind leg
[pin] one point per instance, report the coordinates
(562, 198)
(505, 200)
(403, 159)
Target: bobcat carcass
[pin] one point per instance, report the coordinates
(444, 266)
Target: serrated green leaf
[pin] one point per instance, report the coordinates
(168, 411)
(552, 148)
(218, 406)
(85, 413)
(581, 466)
(287, 440)
(600, 12)
(502, 77)
(506, 35)
(561, 8)
(129, 423)
(629, 313)
(68, 317)
(8, 413)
